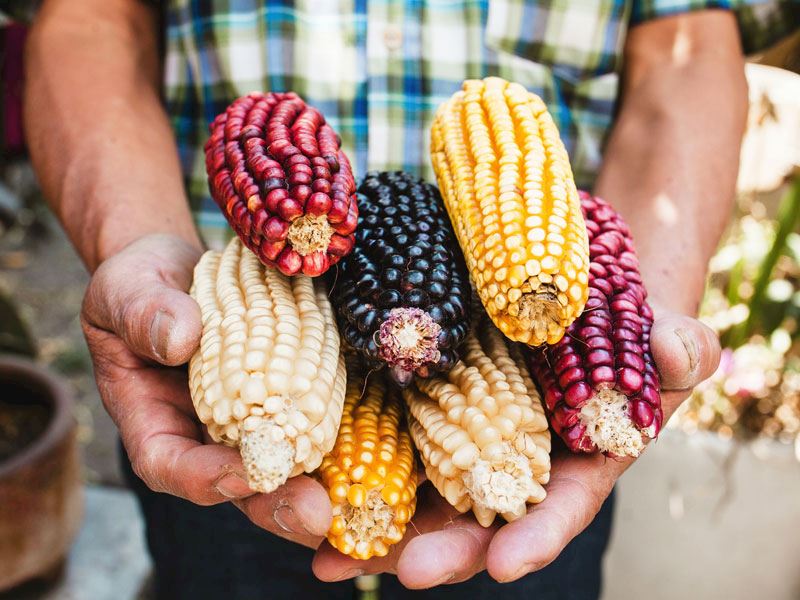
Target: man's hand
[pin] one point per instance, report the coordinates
(140, 324)
(444, 547)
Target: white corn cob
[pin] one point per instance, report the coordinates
(268, 376)
(481, 430)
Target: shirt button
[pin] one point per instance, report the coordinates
(393, 37)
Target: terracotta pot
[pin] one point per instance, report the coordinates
(41, 498)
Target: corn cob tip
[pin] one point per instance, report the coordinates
(267, 455)
(309, 234)
(364, 527)
(608, 426)
(503, 486)
(540, 312)
(407, 340)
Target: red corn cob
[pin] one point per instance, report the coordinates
(276, 171)
(600, 384)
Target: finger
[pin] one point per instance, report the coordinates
(140, 295)
(579, 486)
(685, 350)
(163, 440)
(449, 556)
(299, 510)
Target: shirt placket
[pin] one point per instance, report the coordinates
(393, 83)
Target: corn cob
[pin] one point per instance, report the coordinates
(268, 376)
(600, 383)
(481, 430)
(370, 473)
(508, 187)
(276, 171)
(402, 295)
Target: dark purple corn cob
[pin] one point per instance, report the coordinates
(276, 171)
(599, 382)
(402, 296)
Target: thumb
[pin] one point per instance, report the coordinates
(685, 350)
(140, 296)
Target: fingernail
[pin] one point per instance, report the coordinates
(522, 571)
(349, 574)
(444, 579)
(692, 351)
(160, 331)
(233, 485)
(284, 516)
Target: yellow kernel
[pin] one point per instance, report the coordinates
(338, 526)
(357, 495)
(338, 492)
(391, 495)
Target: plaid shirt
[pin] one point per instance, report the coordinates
(379, 69)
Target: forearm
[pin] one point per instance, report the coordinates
(98, 134)
(671, 161)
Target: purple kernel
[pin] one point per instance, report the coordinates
(570, 376)
(587, 332)
(624, 334)
(577, 394)
(598, 358)
(565, 417)
(651, 396)
(624, 346)
(567, 361)
(620, 304)
(597, 270)
(597, 319)
(602, 377)
(599, 343)
(629, 381)
(629, 359)
(604, 286)
(553, 397)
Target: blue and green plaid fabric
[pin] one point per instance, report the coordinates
(379, 69)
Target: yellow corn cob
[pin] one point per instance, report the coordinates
(268, 376)
(370, 474)
(481, 430)
(507, 184)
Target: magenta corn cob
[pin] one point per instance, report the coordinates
(276, 171)
(600, 384)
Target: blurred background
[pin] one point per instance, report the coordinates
(708, 512)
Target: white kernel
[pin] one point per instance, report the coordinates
(239, 410)
(274, 404)
(254, 391)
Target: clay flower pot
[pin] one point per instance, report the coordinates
(41, 497)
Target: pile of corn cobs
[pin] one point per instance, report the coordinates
(455, 313)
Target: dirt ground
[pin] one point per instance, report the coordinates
(44, 278)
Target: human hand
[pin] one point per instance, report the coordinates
(444, 547)
(140, 324)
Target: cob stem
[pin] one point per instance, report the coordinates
(538, 310)
(267, 455)
(367, 522)
(310, 233)
(407, 340)
(608, 425)
(504, 490)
